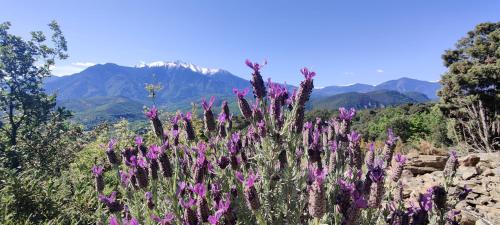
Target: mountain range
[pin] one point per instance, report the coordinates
(110, 91)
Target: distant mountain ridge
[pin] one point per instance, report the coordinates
(373, 99)
(402, 85)
(110, 91)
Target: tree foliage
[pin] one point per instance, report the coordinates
(24, 106)
(469, 92)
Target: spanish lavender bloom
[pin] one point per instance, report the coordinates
(99, 181)
(301, 98)
(223, 162)
(261, 128)
(222, 125)
(278, 94)
(398, 192)
(257, 82)
(190, 216)
(141, 172)
(451, 165)
(188, 126)
(317, 198)
(245, 109)
(257, 112)
(225, 111)
(125, 178)
(139, 143)
(439, 196)
(418, 216)
(216, 189)
(376, 174)
(153, 155)
(354, 150)
(345, 114)
(165, 165)
(333, 155)
(149, 200)
(305, 87)
(425, 200)
(389, 146)
(127, 155)
(353, 213)
(202, 205)
(250, 192)
(113, 220)
(343, 197)
(113, 159)
(397, 170)
(208, 114)
(152, 114)
(111, 202)
(370, 155)
(165, 220)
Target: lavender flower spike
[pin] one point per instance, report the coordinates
(99, 181)
(152, 114)
(398, 168)
(245, 109)
(208, 114)
(257, 82)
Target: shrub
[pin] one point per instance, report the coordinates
(279, 170)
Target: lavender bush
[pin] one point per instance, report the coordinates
(280, 170)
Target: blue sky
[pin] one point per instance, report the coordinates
(345, 42)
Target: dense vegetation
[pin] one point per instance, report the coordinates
(275, 164)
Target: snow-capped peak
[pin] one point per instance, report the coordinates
(179, 64)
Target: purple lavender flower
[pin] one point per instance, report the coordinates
(111, 202)
(317, 198)
(439, 196)
(354, 138)
(389, 146)
(110, 153)
(125, 178)
(398, 168)
(165, 220)
(345, 114)
(376, 171)
(200, 189)
(97, 171)
(99, 181)
(208, 114)
(370, 155)
(152, 113)
(451, 165)
(113, 220)
(149, 200)
(245, 109)
(303, 94)
(190, 134)
(257, 82)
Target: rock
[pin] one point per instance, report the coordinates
(467, 219)
(470, 160)
(488, 172)
(481, 222)
(416, 170)
(433, 161)
(467, 172)
(422, 164)
(491, 214)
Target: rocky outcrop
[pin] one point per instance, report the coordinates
(479, 172)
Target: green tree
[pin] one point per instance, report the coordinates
(469, 92)
(23, 65)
